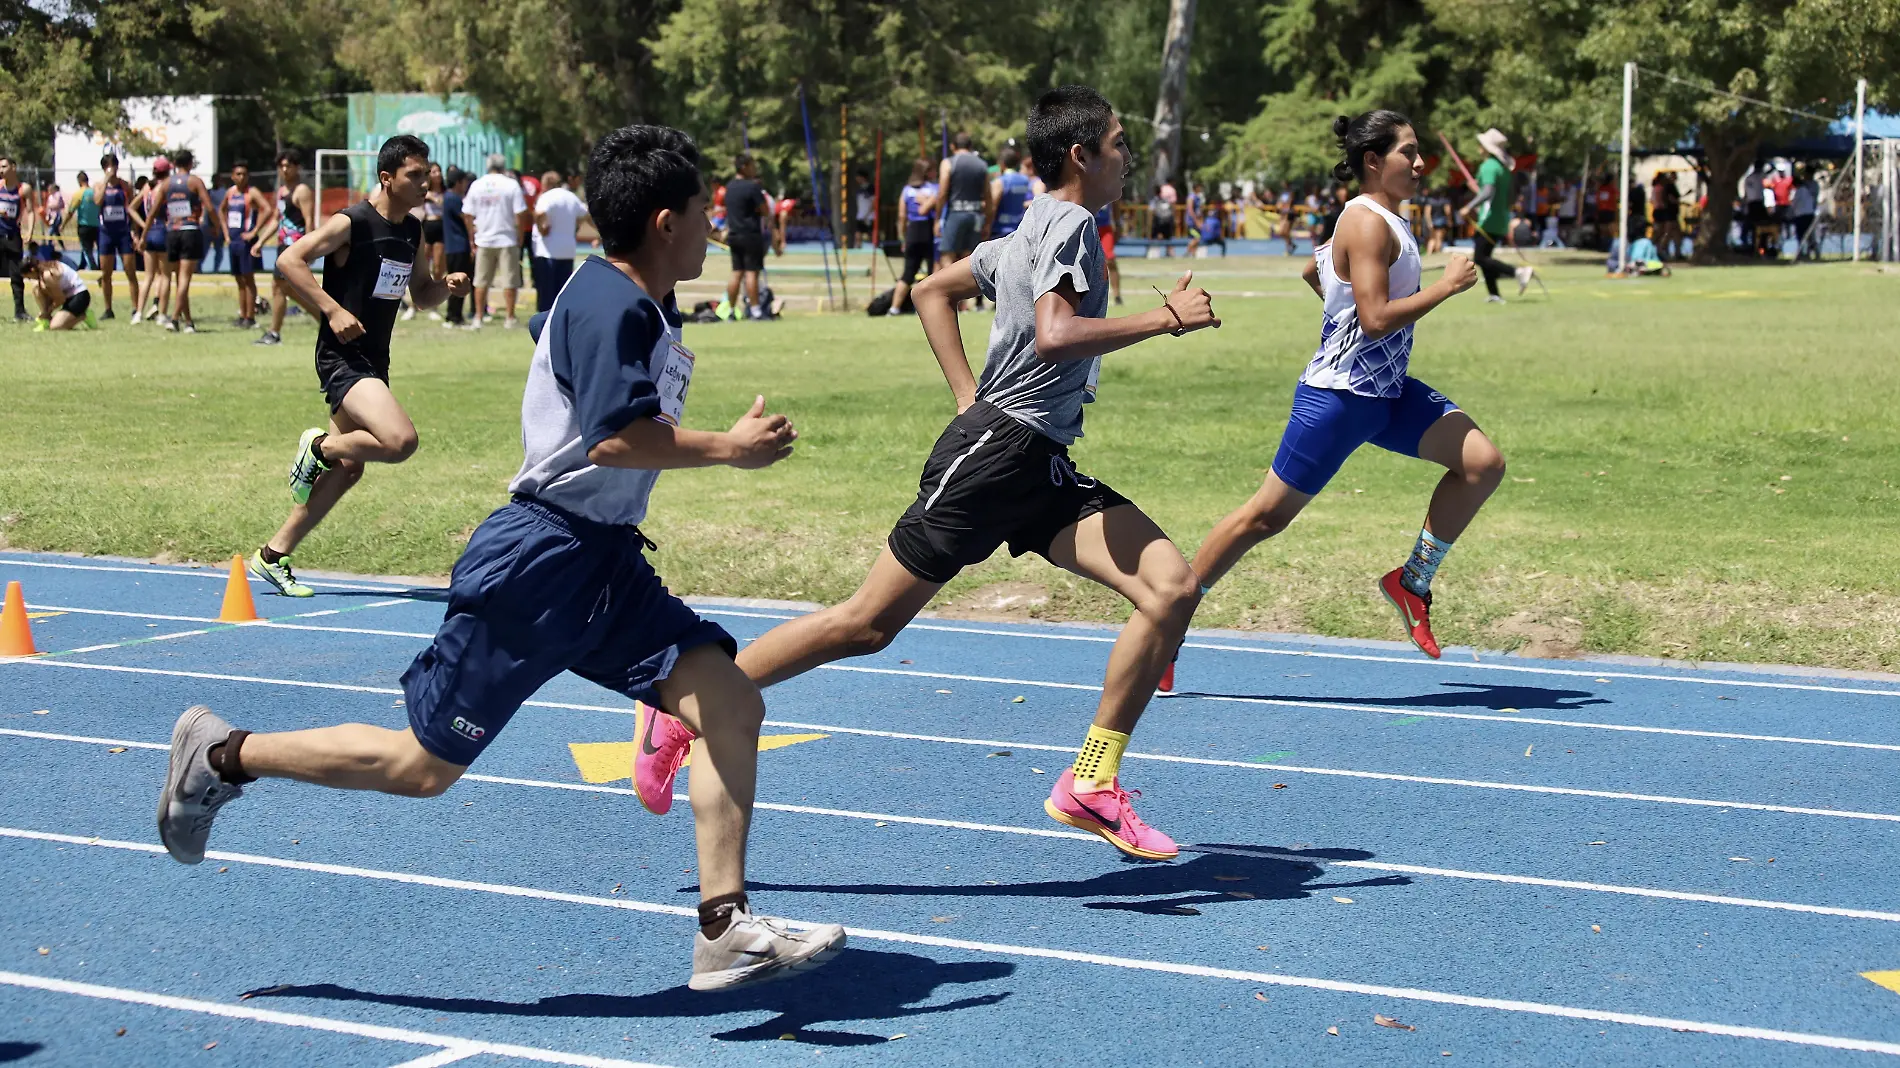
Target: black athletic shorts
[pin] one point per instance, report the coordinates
(339, 369)
(12, 256)
(185, 245)
(77, 304)
(748, 251)
(991, 480)
(432, 231)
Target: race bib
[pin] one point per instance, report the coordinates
(112, 213)
(234, 220)
(391, 280)
(1095, 376)
(9, 209)
(672, 381)
(178, 209)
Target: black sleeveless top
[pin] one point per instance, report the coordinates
(371, 281)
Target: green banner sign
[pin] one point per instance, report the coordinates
(451, 126)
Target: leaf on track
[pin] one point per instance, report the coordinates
(1279, 786)
(278, 989)
(1333, 1031)
(1596, 928)
(1017, 700)
(1392, 1022)
(1258, 996)
(116, 749)
(1342, 900)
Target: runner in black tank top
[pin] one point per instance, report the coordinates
(369, 254)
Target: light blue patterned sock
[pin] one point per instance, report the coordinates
(1427, 554)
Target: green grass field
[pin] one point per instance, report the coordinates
(1701, 466)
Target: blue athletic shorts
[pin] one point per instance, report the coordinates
(1326, 425)
(242, 262)
(538, 592)
(115, 242)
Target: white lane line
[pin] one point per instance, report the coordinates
(213, 573)
(1383, 776)
(448, 1055)
(1327, 706)
(1050, 832)
(994, 948)
(313, 1023)
(1409, 661)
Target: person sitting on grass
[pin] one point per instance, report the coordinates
(64, 300)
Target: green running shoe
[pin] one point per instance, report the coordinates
(279, 576)
(305, 468)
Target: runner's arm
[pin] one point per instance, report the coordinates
(1485, 193)
(935, 300)
(1366, 243)
(293, 264)
(1064, 334)
(650, 444)
(1310, 275)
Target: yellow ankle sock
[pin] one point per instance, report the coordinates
(1101, 757)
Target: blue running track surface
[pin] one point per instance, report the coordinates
(1482, 860)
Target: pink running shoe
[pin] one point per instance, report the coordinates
(1110, 814)
(664, 745)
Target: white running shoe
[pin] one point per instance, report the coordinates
(408, 313)
(1494, 299)
(193, 793)
(137, 318)
(510, 323)
(1524, 276)
(756, 949)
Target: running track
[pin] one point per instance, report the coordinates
(1527, 861)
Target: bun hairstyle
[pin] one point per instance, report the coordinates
(1374, 131)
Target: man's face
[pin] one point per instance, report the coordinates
(287, 172)
(690, 228)
(1107, 167)
(6, 169)
(408, 184)
(241, 177)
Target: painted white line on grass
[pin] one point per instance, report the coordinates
(1050, 832)
(296, 1019)
(214, 573)
(994, 948)
(1382, 776)
(1330, 706)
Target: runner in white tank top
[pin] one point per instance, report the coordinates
(1357, 388)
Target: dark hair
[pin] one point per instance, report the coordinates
(1010, 159)
(241, 163)
(290, 156)
(1375, 131)
(183, 159)
(109, 160)
(82, 178)
(635, 172)
(141, 182)
(741, 161)
(920, 170)
(1062, 118)
(399, 150)
(961, 140)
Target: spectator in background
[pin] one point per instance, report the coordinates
(1755, 208)
(1667, 215)
(1569, 197)
(863, 210)
(1803, 206)
(86, 214)
(557, 219)
(457, 251)
(53, 210)
(1782, 183)
(429, 213)
(1161, 220)
(1213, 223)
(219, 190)
(1437, 206)
(496, 214)
(247, 215)
(751, 224)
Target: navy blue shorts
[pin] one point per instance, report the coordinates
(242, 262)
(115, 242)
(539, 592)
(1327, 425)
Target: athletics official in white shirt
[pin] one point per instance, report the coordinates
(557, 218)
(496, 212)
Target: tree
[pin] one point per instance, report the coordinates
(1174, 77)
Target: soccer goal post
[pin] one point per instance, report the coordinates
(347, 174)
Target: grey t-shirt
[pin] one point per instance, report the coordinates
(1056, 241)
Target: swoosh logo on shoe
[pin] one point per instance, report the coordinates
(1114, 826)
(646, 738)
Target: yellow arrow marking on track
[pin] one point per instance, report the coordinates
(1890, 980)
(600, 762)
(43, 615)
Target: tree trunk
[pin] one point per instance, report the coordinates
(1728, 158)
(1171, 103)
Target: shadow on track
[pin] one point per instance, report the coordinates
(18, 1051)
(1219, 874)
(1468, 695)
(859, 985)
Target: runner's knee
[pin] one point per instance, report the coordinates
(400, 445)
(424, 778)
(1171, 596)
(1484, 465)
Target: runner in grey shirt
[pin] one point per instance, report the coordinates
(1001, 472)
(1056, 243)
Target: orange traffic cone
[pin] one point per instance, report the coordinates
(16, 634)
(238, 606)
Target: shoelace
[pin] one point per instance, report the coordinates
(1125, 798)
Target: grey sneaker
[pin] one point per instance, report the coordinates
(269, 337)
(193, 792)
(305, 467)
(756, 949)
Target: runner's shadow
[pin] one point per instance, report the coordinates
(1468, 695)
(1217, 874)
(18, 1051)
(859, 984)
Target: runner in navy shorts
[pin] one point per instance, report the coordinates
(537, 592)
